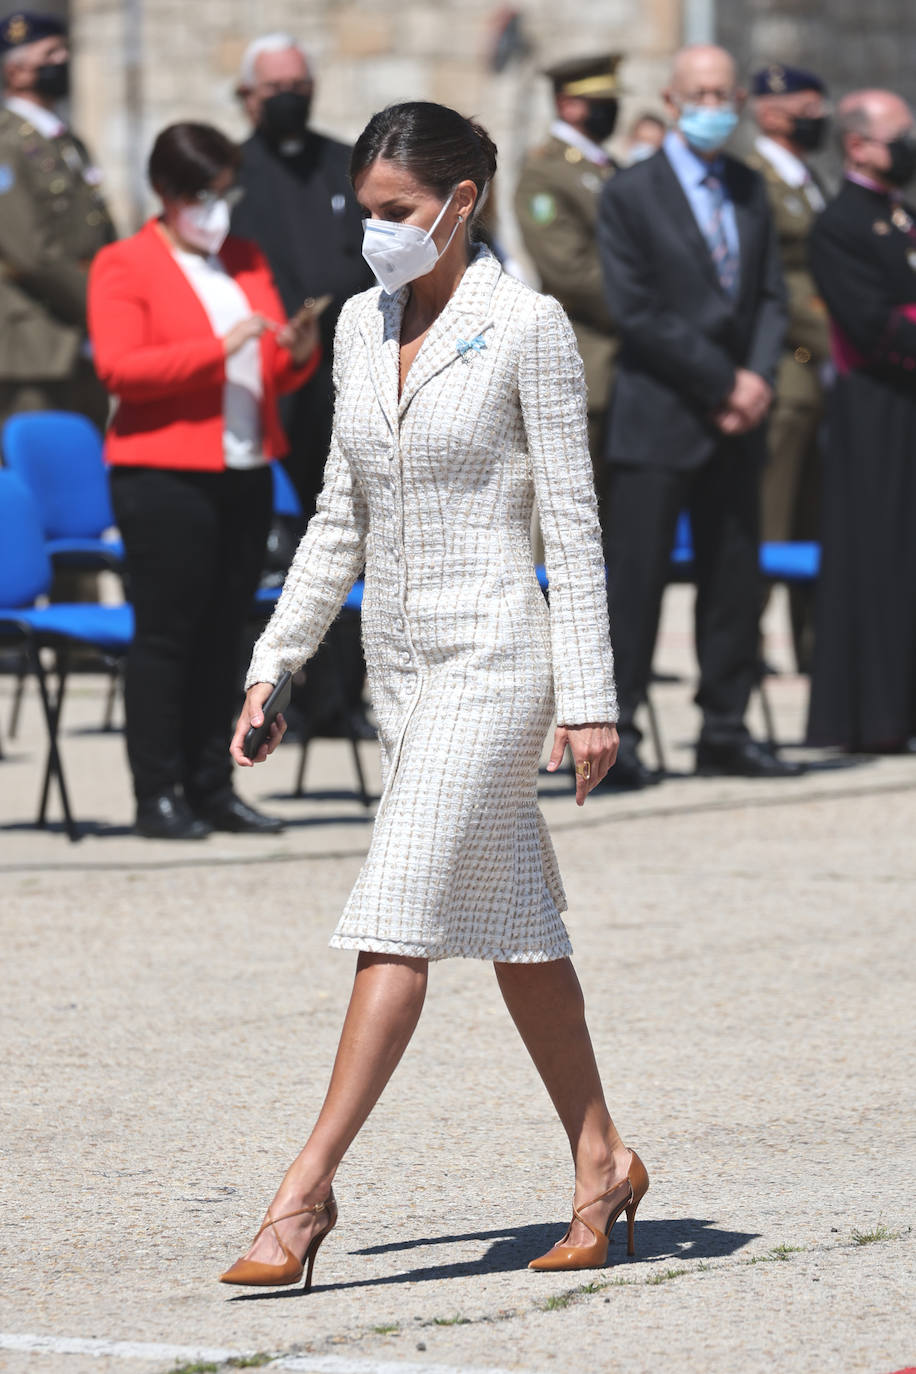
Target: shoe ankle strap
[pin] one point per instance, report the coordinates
(302, 1211)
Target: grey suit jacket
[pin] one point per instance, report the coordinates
(682, 336)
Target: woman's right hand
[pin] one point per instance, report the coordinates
(250, 328)
(252, 714)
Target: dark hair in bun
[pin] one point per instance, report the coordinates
(438, 146)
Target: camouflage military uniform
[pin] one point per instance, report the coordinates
(557, 207)
(790, 495)
(53, 221)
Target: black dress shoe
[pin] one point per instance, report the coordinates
(229, 812)
(742, 758)
(629, 773)
(167, 816)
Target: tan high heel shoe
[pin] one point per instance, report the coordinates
(634, 1187)
(254, 1274)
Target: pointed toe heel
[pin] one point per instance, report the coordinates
(254, 1274)
(593, 1256)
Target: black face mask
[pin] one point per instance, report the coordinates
(809, 132)
(52, 79)
(903, 160)
(284, 116)
(601, 120)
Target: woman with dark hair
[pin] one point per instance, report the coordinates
(460, 396)
(190, 338)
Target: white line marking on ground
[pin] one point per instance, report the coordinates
(297, 1364)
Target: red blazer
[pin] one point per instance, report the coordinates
(155, 350)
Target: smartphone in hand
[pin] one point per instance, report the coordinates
(275, 704)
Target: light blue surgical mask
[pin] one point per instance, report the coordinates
(707, 127)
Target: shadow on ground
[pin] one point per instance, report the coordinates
(686, 1238)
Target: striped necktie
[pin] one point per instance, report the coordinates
(724, 258)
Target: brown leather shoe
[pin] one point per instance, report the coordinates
(254, 1274)
(631, 1192)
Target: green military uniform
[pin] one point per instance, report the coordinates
(53, 220)
(556, 203)
(790, 489)
(557, 207)
(799, 403)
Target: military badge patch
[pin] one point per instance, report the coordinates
(543, 208)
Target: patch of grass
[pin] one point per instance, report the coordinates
(255, 1361)
(386, 1329)
(778, 1252)
(665, 1274)
(879, 1232)
(451, 1321)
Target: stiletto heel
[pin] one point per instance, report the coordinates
(593, 1256)
(254, 1274)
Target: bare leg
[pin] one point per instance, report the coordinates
(385, 1005)
(545, 1001)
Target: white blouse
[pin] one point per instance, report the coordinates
(226, 304)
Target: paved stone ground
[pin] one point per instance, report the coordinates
(170, 1015)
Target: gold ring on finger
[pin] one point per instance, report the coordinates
(584, 770)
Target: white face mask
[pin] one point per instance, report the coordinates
(205, 225)
(399, 253)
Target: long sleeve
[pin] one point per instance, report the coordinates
(857, 291)
(328, 561)
(552, 394)
(127, 364)
(32, 251)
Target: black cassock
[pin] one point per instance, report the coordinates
(863, 690)
(302, 213)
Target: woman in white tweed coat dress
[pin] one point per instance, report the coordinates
(460, 398)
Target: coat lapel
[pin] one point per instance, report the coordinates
(381, 329)
(465, 317)
(673, 200)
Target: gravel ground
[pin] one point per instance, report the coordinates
(169, 1019)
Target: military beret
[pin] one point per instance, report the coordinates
(25, 26)
(779, 80)
(594, 77)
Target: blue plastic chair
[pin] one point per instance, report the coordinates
(25, 575)
(58, 454)
(286, 498)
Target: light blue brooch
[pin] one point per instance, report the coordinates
(467, 350)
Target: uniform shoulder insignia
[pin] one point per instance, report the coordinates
(881, 226)
(7, 178)
(543, 208)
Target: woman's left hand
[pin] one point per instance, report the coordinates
(594, 749)
(300, 335)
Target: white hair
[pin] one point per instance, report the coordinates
(269, 42)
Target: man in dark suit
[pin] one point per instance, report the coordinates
(693, 279)
(300, 209)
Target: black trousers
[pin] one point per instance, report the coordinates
(194, 548)
(722, 498)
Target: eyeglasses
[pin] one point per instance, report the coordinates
(268, 88)
(232, 195)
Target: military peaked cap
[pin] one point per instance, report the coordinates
(779, 80)
(594, 78)
(25, 26)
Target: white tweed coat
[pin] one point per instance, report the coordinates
(433, 492)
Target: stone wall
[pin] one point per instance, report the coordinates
(367, 53)
(853, 43)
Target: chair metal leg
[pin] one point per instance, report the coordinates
(53, 767)
(13, 728)
(655, 732)
(115, 678)
(360, 775)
